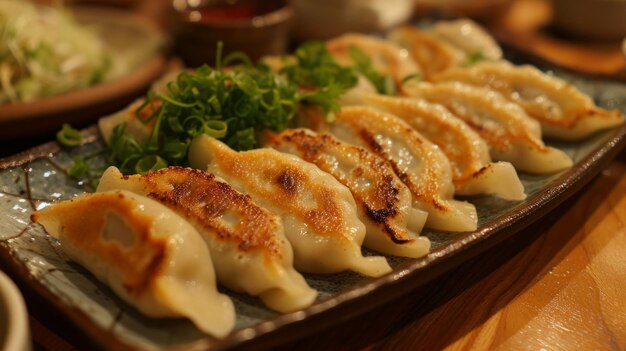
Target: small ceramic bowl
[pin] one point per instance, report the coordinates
(257, 28)
(591, 19)
(14, 333)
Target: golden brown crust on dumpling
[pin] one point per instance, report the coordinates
(203, 198)
(140, 263)
(324, 216)
(381, 203)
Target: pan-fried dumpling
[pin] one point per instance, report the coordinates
(467, 36)
(511, 135)
(247, 242)
(564, 112)
(431, 53)
(319, 213)
(147, 254)
(472, 170)
(383, 201)
(420, 164)
(141, 131)
(386, 57)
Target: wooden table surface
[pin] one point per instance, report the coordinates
(558, 285)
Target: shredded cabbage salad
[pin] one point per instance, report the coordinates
(45, 52)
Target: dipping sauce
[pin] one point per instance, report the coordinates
(256, 28)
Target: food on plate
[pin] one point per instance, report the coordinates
(564, 112)
(473, 172)
(383, 201)
(446, 45)
(469, 37)
(420, 164)
(319, 213)
(131, 118)
(149, 256)
(45, 52)
(387, 66)
(247, 243)
(431, 53)
(511, 134)
(231, 104)
(385, 155)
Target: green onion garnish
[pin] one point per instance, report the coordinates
(69, 136)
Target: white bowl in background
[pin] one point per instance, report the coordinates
(324, 19)
(14, 334)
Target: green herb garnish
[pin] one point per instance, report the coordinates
(475, 57)
(410, 77)
(321, 79)
(384, 84)
(69, 136)
(87, 174)
(229, 104)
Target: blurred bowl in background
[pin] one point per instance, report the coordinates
(482, 10)
(257, 28)
(324, 19)
(14, 333)
(591, 19)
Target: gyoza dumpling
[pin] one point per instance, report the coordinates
(141, 131)
(319, 213)
(247, 242)
(564, 112)
(510, 133)
(149, 256)
(383, 201)
(386, 57)
(472, 170)
(467, 36)
(420, 164)
(431, 53)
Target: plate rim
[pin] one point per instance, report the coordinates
(361, 297)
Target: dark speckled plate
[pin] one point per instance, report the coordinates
(32, 179)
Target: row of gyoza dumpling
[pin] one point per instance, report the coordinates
(155, 239)
(491, 90)
(381, 193)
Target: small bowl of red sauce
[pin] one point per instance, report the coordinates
(254, 27)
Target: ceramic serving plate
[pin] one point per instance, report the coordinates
(135, 46)
(32, 179)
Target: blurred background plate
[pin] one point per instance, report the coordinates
(136, 46)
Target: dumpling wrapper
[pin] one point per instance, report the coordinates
(473, 172)
(141, 131)
(386, 57)
(247, 243)
(383, 201)
(420, 164)
(467, 36)
(511, 134)
(319, 213)
(149, 256)
(431, 53)
(564, 112)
